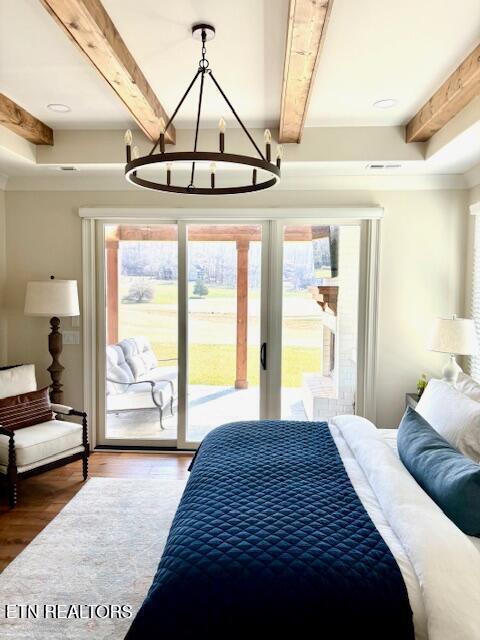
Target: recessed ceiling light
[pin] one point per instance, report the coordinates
(387, 103)
(58, 107)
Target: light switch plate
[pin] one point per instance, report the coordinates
(71, 337)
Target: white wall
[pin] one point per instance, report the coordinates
(424, 239)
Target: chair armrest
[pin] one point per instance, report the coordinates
(65, 410)
(128, 384)
(164, 380)
(83, 416)
(80, 414)
(61, 408)
(6, 432)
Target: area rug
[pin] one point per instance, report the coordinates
(86, 574)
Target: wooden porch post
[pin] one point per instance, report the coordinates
(241, 381)
(112, 291)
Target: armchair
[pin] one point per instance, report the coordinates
(26, 451)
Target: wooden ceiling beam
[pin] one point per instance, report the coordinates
(455, 93)
(307, 26)
(15, 118)
(89, 26)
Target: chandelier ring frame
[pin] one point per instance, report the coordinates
(201, 156)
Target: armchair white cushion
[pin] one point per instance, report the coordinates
(17, 380)
(36, 445)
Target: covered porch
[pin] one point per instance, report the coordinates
(237, 397)
(242, 235)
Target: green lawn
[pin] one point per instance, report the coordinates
(296, 360)
(212, 335)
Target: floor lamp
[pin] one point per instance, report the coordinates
(55, 299)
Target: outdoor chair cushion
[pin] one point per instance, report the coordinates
(15, 380)
(34, 444)
(139, 355)
(117, 369)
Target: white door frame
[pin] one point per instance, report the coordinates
(368, 291)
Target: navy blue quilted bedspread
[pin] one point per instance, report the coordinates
(271, 540)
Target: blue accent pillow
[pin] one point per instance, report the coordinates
(449, 478)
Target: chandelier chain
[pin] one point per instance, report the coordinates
(204, 63)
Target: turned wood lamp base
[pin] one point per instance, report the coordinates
(55, 346)
(53, 299)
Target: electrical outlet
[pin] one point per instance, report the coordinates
(71, 337)
(75, 321)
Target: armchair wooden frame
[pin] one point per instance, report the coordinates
(13, 475)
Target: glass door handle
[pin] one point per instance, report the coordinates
(263, 356)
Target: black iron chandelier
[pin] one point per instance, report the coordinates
(263, 173)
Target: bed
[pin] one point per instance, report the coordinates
(294, 530)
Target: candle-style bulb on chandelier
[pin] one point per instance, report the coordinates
(260, 172)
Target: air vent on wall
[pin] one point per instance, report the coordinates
(376, 166)
(63, 167)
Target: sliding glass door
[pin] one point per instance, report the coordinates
(224, 275)
(320, 282)
(203, 323)
(141, 332)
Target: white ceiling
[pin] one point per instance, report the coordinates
(40, 65)
(374, 49)
(377, 49)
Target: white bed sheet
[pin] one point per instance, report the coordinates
(440, 567)
(390, 436)
(374, 510)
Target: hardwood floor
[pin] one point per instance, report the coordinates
(42, 497)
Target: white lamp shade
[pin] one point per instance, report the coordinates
(455, 336)
(52, 298)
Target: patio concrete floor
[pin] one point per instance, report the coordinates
(209, 406)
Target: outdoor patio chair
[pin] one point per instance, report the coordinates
(136, 379)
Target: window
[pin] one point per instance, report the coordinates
(475, 303)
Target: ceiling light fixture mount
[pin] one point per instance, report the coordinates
(385, 103)
(58, 107)
(263, 173)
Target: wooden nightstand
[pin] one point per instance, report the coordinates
(411, 400)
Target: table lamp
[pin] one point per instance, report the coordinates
(53, 298)
(455, 336)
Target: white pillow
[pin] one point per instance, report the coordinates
(455, 416)
(17, 380)
(467, 385)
